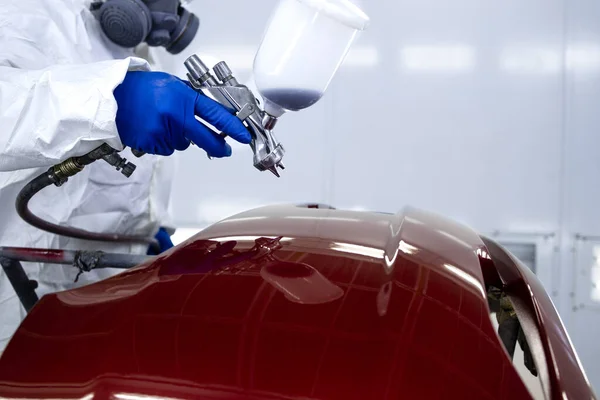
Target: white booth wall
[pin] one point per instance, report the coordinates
(486, 112)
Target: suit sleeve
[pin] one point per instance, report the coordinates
(51, 114)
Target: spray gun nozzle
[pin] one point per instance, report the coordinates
(274, 171)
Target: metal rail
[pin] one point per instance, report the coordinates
(84, 261)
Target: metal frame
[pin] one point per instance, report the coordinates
(84, 261)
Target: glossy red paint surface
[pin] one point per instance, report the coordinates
(277, 303)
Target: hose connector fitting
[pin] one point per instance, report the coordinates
(65, 170)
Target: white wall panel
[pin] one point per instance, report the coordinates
(487, 112)
(581, 197)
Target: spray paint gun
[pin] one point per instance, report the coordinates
(302, 48)
(225, 89)
(239, 99)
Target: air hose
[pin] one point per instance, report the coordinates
(57, 175)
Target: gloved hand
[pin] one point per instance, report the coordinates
(164, 243)
(156, 115)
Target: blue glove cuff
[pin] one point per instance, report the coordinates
(164, 243)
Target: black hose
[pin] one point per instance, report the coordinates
(52, 177)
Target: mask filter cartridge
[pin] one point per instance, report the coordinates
(165, 23)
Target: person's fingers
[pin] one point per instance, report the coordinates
(179, 142)
(218, 116)
(203, 137)
(160, 150)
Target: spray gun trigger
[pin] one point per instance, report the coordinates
(246, 111)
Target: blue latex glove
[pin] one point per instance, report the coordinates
(164, 242)
(156, 115)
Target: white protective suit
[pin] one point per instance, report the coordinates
(57, 75)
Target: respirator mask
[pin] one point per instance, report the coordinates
(157, 22)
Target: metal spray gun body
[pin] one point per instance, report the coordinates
(268, 152)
